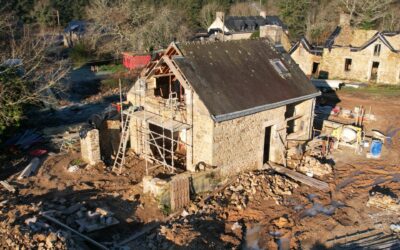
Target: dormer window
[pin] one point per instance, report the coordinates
(377, 50)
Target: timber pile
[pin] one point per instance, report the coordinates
(300, 177)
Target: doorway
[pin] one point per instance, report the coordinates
(315, 69)
(267, 144)
(374, 71)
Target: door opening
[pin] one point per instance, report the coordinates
(267, 144)
(315, 69)
(374, 71)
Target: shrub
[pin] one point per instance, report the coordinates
(80, 54)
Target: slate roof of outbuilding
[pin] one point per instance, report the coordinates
(251, 23)
(236, 78)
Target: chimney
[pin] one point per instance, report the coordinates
(272, 32)
(263, 14)
(220, 15)
(344, 20)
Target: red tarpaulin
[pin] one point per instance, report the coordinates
(132, 61)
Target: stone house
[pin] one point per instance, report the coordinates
(353, 54)
(307, 56)
(243, 27)
(232, 105)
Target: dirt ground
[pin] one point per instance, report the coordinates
(256, 210)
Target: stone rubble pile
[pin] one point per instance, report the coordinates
(28, 231)
(78, 216)
(236, 196)
(313, 167)
(384, 201)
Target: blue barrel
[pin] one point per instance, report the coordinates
(376, 148)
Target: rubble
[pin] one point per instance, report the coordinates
(30, 169)
(313, 167)
(383, 200)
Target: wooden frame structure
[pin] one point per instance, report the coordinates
(165, 115)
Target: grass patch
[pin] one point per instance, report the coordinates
(80, 54)
(374, 90)
(114, 68)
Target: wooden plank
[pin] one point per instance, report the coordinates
(50, 218)
(7, 186)
(300, 177)
(180, 195)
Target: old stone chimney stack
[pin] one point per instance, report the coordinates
(344, 20)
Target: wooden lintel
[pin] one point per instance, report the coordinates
(162, 75)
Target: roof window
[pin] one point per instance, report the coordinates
(280, 68)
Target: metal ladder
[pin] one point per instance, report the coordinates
(120, 157)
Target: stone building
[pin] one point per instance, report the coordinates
(243, 27)
(352, 54)
(307, 56)
(232, 105)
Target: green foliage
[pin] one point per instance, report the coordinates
(375, 90)
(255, 34)
(11, 91)
(113, 68)
(294, 13)
(80, 54)
(44, 12)
(76, 162)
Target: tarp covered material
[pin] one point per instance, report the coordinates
(237, 78)
(132, 61)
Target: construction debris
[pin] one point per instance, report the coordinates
(384, 199)
(30, 169)
(7, 186)
(311, 166)
(300, 177)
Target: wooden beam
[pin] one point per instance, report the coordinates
(299, 177)
(176, 71)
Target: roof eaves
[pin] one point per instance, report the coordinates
(250, 111)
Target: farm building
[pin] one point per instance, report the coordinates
(352, 54)
(232, 105)
(245, 27)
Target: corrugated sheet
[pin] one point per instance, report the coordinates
(235, 76)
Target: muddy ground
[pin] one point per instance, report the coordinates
(257, 210)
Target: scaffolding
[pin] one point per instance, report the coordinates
(171, 116)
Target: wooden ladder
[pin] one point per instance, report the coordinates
(120, 157)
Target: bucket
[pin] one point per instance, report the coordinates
(376, 148)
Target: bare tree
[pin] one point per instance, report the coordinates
(117, 26)
(244, 9)
(207, 13)
(27, 72)
(366, 13)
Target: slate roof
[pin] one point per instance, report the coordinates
(316, 50)
(358, 39)
(251, 23)
(76, 26)
(236, 78)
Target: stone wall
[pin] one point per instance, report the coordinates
(90, 147)
(203, 129)
(239, 143)
(276, 34)
(388, 71)
(305, 59)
